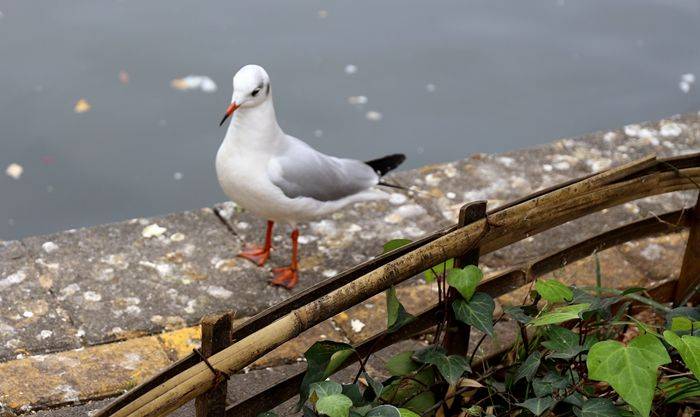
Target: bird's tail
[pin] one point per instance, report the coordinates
(385, 164)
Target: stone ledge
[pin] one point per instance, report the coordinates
(97, 285)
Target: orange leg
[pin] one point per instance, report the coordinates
(256, 253)
(288, 276)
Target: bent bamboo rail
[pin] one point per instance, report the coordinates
(500, 228)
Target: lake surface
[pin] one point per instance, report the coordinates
(444, 78)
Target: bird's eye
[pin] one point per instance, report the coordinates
(255, 92)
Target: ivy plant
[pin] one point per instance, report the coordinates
(579, 352)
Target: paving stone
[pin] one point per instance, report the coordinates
(82, 374)
(117, 283)
(30, 319)
(659, 257)
(179, 343)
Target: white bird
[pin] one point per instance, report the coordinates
(280, 178)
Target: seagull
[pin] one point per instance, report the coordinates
(280, 178)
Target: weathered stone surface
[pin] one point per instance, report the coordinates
(116, 283)
(67, 377)
(658, 257)
(30, 319)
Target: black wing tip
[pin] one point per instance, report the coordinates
(387, 163)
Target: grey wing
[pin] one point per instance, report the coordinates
(301, 171)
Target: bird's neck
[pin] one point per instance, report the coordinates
(254, 128)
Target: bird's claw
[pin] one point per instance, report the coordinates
(285, 277)
(255, 254)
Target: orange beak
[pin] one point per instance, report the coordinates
(229, 111)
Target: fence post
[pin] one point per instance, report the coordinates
(456, 332)
(689, 278)
(216, 336)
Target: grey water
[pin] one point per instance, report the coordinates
(442, 79)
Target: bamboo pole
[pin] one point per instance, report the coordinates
(498, 230)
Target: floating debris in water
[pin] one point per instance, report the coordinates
(686, 83)
(374, 116)
(322, 14)
(193, 82)
(430, 88)
(82, 106)
(14, 170)
(153, 230)
(123, 77)
(350, 69)
(357, 100)
(177, 176)
(318, 133)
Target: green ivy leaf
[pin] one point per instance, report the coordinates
(406, 390)
(336, 405)
(554, 291)
(396, 314)
(684, 324)
(537, 406)
(689, 349)
(563, 342)
(450, 367)
(323, 359)
(384, 411)
(529, 367)
(439, 270)
(407, 413)
(353, 392)
(376, 386)
(421, 402)
(325, 388)
(549, 384)
(560, 315)
(465, 280)
(477, 312)
(395, 244)
(631, 370)
(402, 364)
(360, 411)
(517, 313)
(597, 407)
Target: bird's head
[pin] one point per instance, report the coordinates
(251, 87)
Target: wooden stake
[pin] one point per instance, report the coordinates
(216, 336)
(456, 332)
(689, 278)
